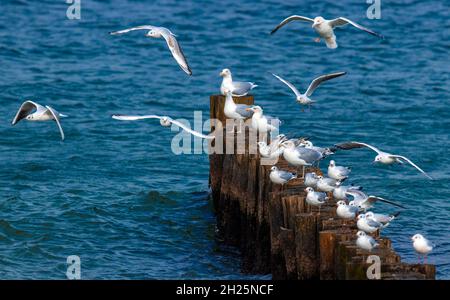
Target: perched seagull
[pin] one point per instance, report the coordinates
(311, 179)
(325, 28)
(340, 193)
(367, 225)
(338, 172)
(345, 211)
(281, 177)
(172, 43)
(383, 219)
(365, 202)
(382, 157)
(315, 198)
(261, 122)
(300, 156)
(238, 88)
(365, 242)
(235, 111)
(422, 246)
(326, 184)
(304, 98)
(32, 111)
(165, 121)
(274, 150)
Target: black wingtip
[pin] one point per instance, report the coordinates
(396, 214)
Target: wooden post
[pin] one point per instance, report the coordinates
(306, 241)
(327, 246)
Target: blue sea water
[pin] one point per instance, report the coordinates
(113, 194)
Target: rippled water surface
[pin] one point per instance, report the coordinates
(115, 195)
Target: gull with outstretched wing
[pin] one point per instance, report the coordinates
(325, 28)
(164, 121)
(32, 111)
(304, 98)
(169, 37)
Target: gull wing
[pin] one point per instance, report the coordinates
(56, 118)
(373, 199)
(411, 163)
(316, 82)
(353, 145)
(143, 27)
(290, 19)
(25, 109)
(290, 85)
(242, 88)
(134, 118)
(357, 195)
(193, 132)
(341, 21)
(242, 109)
(175, 48)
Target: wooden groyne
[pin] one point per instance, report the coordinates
(278, 233)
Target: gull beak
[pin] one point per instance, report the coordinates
(222, 74)
(248, 109)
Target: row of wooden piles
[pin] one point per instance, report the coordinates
(278, 233)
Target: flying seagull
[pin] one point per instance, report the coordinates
(304, 98)
(237, 88)
(382, 157)
(32, 111)
(165, 121)
(325, 28)
(172, 43)
(365, 202)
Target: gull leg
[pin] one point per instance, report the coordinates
(425, 259)
(317, 40)
(232, 130)
(240, 126)
(303, 172)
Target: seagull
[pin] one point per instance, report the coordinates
(422, 246)
(365, 242)
(364, 202)
(367, 225)
(172, 43)
(382, 157)
(338, 172)
(325, 28)
(274, 150)
(326, 184)
(311, 180)
(340, 193)
(315, 198)
(32, 111)
(300, 156)
(383, 219)
(304, 98)
(345, 211)
(236, 111)
(281, 177)
(165, 121)
(238, 88)
(261, 122)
